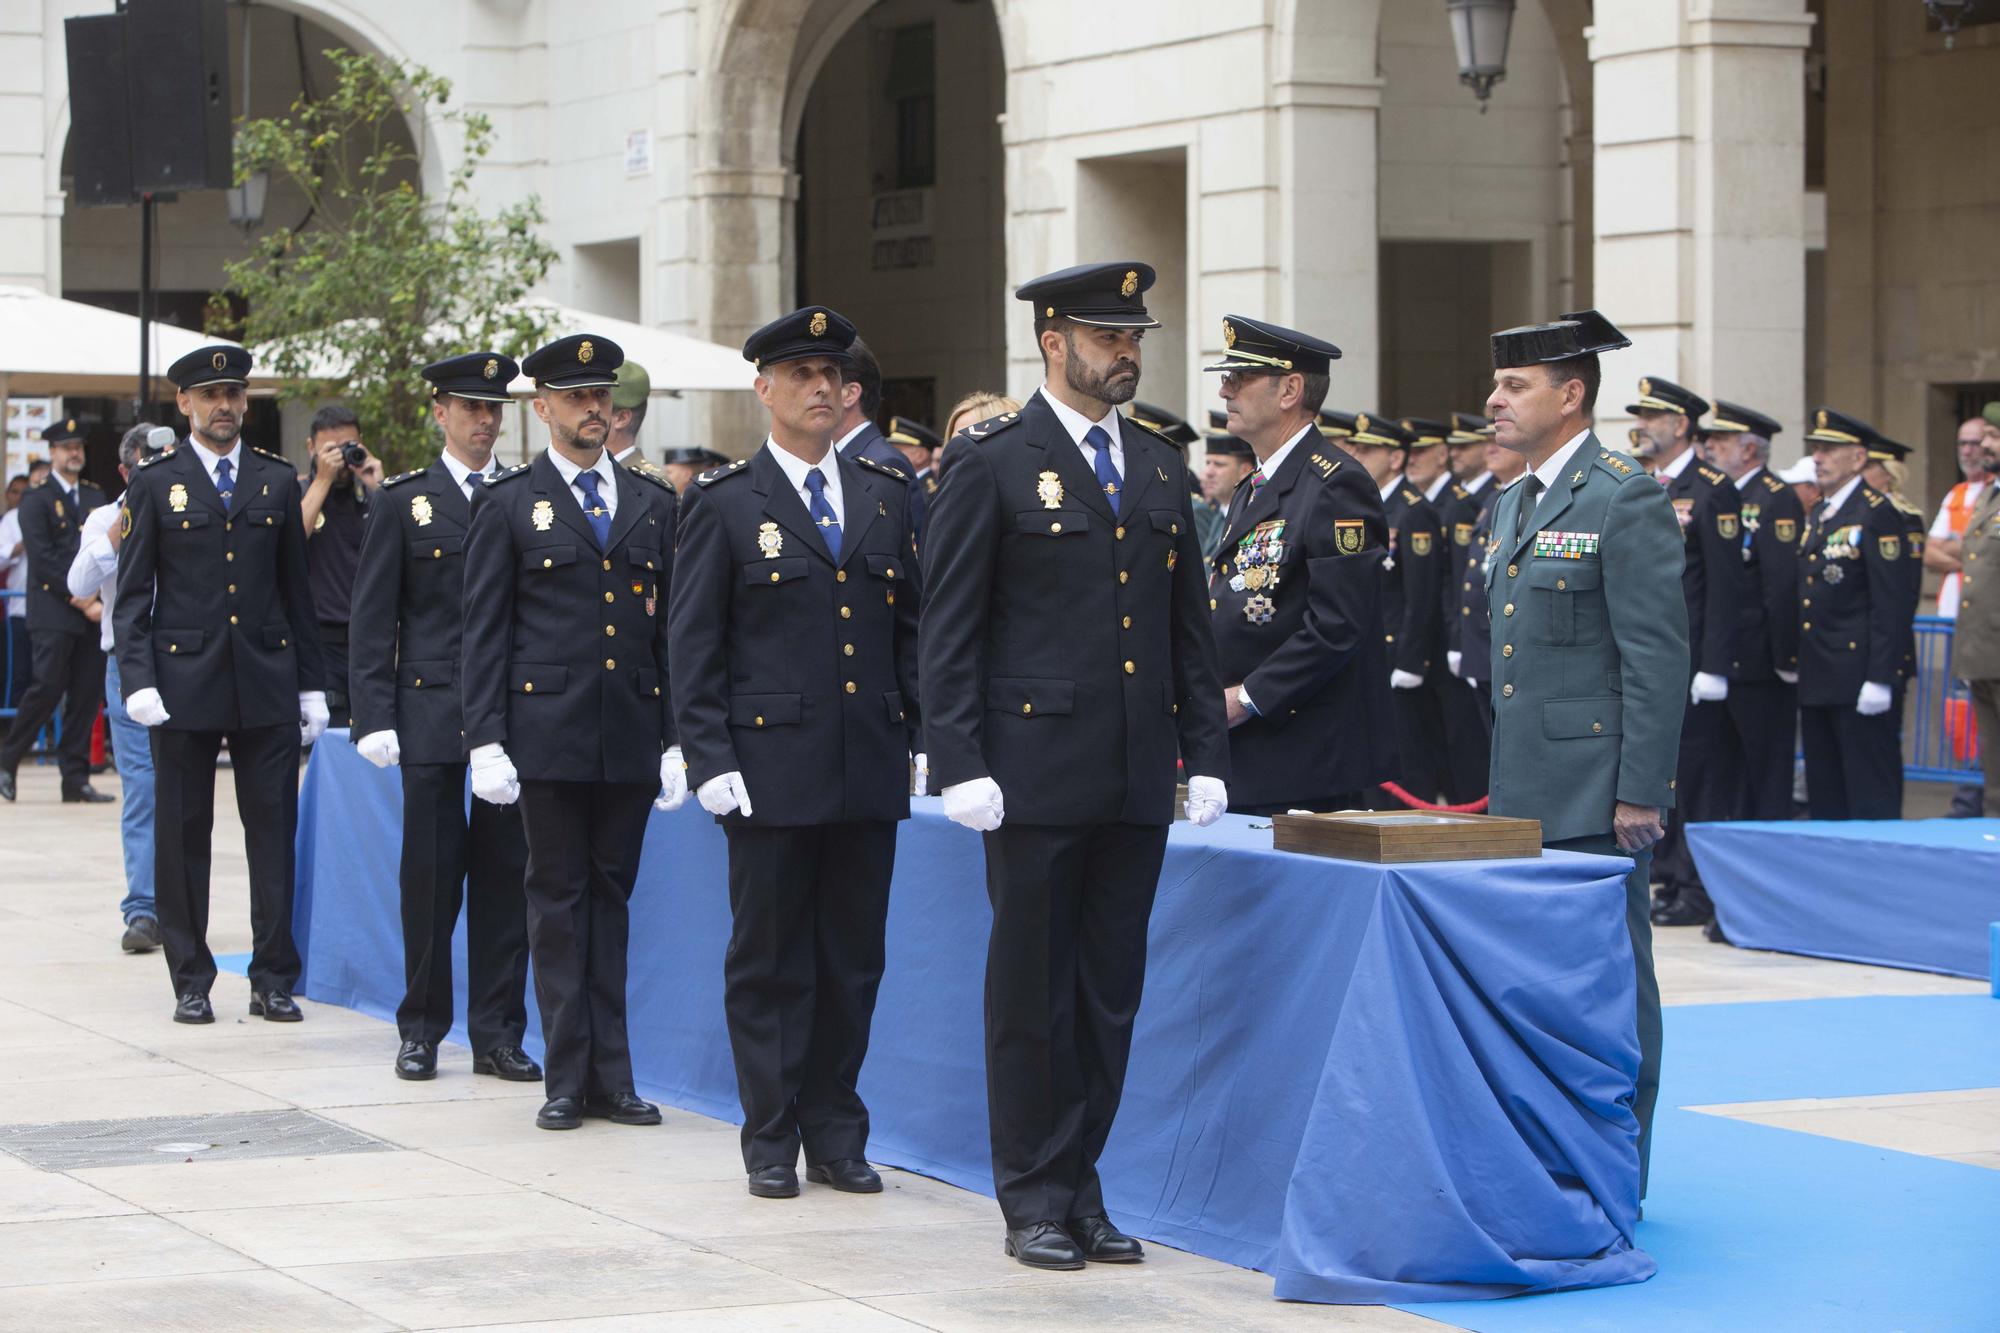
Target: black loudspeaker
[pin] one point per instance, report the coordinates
(100, 140)
(178, 91)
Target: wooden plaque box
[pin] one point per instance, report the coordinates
(1407, 835)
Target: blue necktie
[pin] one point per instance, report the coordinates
(599, 516)
(822, 512)
(1107, 475)
(225, 485)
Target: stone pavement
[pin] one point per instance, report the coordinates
(459, 1213)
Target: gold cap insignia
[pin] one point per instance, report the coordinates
(219, 360)
(492, 367)
(585, 352)
(1049, 312)
(1360, 421)
(818, 325)
(70, 424)
(1131, 283)
(1645, 388)
(1821, 424)
(1228, 334)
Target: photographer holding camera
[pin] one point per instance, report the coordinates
(334, 504)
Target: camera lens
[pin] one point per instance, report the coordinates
(353, 455)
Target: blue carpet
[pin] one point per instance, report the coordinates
(1762, 1229)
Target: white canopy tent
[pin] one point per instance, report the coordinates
(49, 346)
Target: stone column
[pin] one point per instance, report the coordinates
(1700, 172)
(1329, 247)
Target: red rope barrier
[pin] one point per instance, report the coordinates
(1470, 808)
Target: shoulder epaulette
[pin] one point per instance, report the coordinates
(1323, 465)
(884, 468)
(40, 481)
(1411, 495)
(1772, 484)
(508, 474)
(1904, 505)
(402, 477)
(1134, 421)
(85, 481)
(1458, 491)
(160, 457)
(1617, 464)
(979, 430)
(715, 474)
(275, 458)
(930, 483)
(652, 472)
(1871, 495)
(1714, 478)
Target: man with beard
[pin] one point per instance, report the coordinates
(1590, 668)
(409, 607)
(1715, 585)
(217, 640)
(565, 655)
(1975, 653)
(1066, 658)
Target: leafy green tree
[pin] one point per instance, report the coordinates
(379, 278)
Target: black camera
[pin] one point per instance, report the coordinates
(353, 454)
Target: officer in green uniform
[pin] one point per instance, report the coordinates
(1590, 641)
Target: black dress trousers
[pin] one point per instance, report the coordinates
(265, 763)
(808, 904)
(1758, 745)
(1854, 764)
(69, 669)
(584, 840)
(449, 858)
(1064, 969)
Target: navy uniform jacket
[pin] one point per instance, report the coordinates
(1473, 613)
(1916, 530)
(51, 531)
(795, 671)
(409, 609)
(1307, 644)
(1464, 589)
(1855, 603)
(213, 607)
(869, 444)
(1767, 632)
(565, 646)
(1067, 652)
(1713, 578)
(1413, 575)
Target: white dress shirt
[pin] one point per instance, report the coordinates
(1437, 487)
(796, 470)
(1078, 425)
(13, 563)
(209, 459)
(1673, 470)
(1551, 470)
(466, 478)
(1838, 498)
(848, 438)
(607, 480)
(94, 571)
(1390, 487)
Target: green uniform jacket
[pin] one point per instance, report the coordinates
(1975, 650)
(1590, 647)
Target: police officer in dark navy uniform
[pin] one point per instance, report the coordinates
(857, 436)
(404, 640)
(1469, 615)
(1467, 715)
(1761, 714)
(566, 710)
(1714, 584)
(1068, 660)
(1427, 470)
(216, 639)
(69, 664)
(1296, 589)
(794, 633)
(1855, 607)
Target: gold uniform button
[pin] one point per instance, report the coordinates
(1027, 708)
(1119, 532)
(173, 647)
(607, 566)
(760, 721)
(418, 682)
(1561, 584)
(610, 664)
(227, 526)
(528, 687)
(437, 553)
(1126, 623)
(1124, 577)
(889, 597)
(1055, 527)
(1850, 644)
(656, 694)
(1596, 727)
(840, 576)
(610, 631)
(774, 576)
(1129, 667)
(850, 687)
(1211, 603)
(892, 572)
(548, 564)
(847, 649)
(1513, 571)
(232, 620)
(232, 588)
(184, 524)
(845, 613)
(1805, 601)
(1507, 610)
(1174, 529)
(1807, 625)
(1507, 651)
(1507, 691)
(226, 555)
(608, 597)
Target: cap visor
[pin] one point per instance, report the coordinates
(578, 382)
(1115, 321)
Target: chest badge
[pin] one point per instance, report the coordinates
(1349, 535)
(319, 520)
(1833, 573)
(1049, 488)
(769, 540)
(177, 498)
(543, 515)
(420, 510)
(59, 509)
(1725, 525)
(1787, 529)
(1258, 609)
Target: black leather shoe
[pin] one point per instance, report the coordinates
(1712, 932)
(560, 1113)
(194, 1008)
(142, 936)
(774, 1182)
(1103, 1243)
(1680, 913)
(849, 1175)
(508, 1062)
(1044, 1245)
(417, 1061)
(622, 1108)
(275, 1006)
(7, 786)
(86, 795)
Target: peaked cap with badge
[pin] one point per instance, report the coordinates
(1733, 418)
(1164, 422)
(1423, 431)
(1831, 427)
(62, 432)
(1104, 296)
(1385, 432)
(1658, 395)
(912, 433)
(811, 330)
(219, 363)
(480, 376)
(1252, 344)
(1469, 428)
(1336, 425)
(580, 361)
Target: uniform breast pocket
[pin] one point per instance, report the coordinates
(1052, 523)
(264, 518)
(437, 548)
(774, 573)
(1569, 601)
(547, 557)
(890, 571)
(189, 521)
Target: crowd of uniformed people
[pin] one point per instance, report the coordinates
(1041, 612)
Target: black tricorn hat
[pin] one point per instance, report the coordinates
(1579, 333)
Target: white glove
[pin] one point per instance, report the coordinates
(975, 804)
(1404, 680)
(921, 785)
(380, 748)
(1454, 659)
(1207, 799)
(1874, 699)
(147, 708)
(723, 793)
(313, 716)
(1708, 688)
(1789, 677)
(493, 776)
(673, 780)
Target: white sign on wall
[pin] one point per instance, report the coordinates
(639, 153)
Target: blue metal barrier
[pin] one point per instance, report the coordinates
(1936, 703)
(9, 668)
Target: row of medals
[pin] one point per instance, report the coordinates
(1257, 559)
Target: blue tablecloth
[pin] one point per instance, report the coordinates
(1916, 893)
(1378, 1084)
